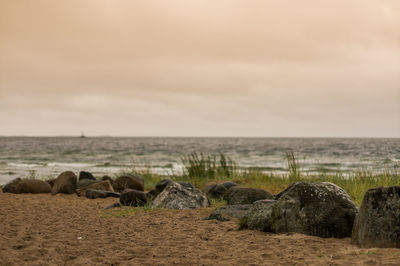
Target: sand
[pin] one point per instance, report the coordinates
(71, 230)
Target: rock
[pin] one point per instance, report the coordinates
(186, 184)
(217, 191)
(106, 177)
(259, 216)
(177, 196)
(240, 195)
(126, 190)
(311, 208)
(94, 194)
(225, 213)
(150, 195)
(51, 182)
(86, 182)
(11, 187)
(65, 183)
(33, 186)
(101, 185)
(378, 222)
(128, 181)
(86, 175)
(160, 186)
(133, 198)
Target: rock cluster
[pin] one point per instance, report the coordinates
(313, 208)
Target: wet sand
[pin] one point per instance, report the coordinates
(71, 230)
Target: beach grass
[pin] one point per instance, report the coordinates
(200, 170)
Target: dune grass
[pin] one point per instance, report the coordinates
(200, 170)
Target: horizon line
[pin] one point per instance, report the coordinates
(154, 136)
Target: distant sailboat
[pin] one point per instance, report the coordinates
(82, 135)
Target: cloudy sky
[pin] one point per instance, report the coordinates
(284, 68)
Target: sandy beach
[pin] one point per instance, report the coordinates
(71, 230)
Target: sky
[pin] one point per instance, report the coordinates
(272, 68)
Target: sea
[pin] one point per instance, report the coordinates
(49, 156)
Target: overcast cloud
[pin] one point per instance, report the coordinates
(200, 68)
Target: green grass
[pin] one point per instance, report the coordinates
(125, 211)
(200, 170)
(208, 166)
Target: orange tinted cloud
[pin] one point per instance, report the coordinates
(253, 68)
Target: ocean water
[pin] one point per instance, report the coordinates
(49, 156)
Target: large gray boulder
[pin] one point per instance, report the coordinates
(217, 191)
(66, 183)
(378, 222)
(225, 213)
(177, 196)
(240, 195)
(128, 181)
(11, 187)
(311, 208)
(34, 186)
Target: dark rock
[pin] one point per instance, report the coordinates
(161, 185)
(113, 194)
(11, 187)
(51, 182)
(94, 194)
(128, 181)
(177, 196)
(259, 216)
(311, 208)
(33, 186)
(378, 222)
(86, 175)
(106, 177)
(126, 190)
(86, 182)
(240, 195)
(65, 183)
(101, 185)
(114, 205)
(225, 213)
(217, 191)
(133, 198)
(151, 194)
